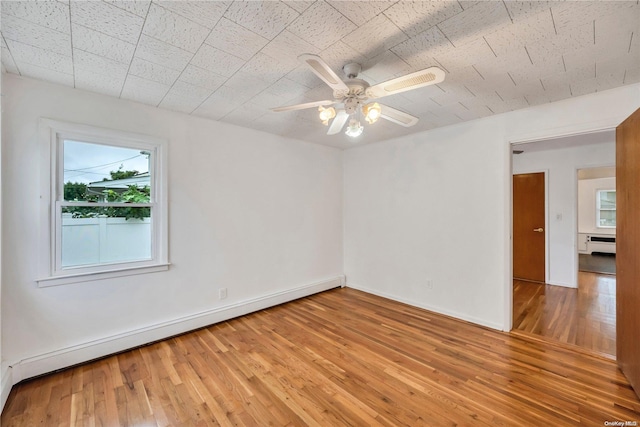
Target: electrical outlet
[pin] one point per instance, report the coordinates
(222, 293)
(429, 284)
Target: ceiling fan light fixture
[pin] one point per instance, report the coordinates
(372, 112)
(354, 129)
(326, 114)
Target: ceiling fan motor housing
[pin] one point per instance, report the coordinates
(355, 96)
(351, 105)
(355, 88)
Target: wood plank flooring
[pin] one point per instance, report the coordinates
(341, 357)
(585, 316)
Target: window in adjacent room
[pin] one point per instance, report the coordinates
(107, 209)
(606, 208)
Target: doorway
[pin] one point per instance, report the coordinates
(597, 220)
(561, 308)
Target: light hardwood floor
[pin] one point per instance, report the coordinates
(341, 357)
(585, 316)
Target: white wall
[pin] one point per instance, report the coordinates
(562, 223)
(426, 210)
(4, 383)
(255, 213)
(587, 189)
(435, 207)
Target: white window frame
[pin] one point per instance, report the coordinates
(599, 209)
(53, 133)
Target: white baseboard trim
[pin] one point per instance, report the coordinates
(73, 355)
(5, 385)
(438, 310)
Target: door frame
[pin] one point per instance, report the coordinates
(510, 144)
(546, 218)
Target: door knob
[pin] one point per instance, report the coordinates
(538, 230)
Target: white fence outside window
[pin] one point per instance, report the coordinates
(87, 241)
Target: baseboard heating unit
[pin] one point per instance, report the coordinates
(604, 244)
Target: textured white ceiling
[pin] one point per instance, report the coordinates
(233, 60)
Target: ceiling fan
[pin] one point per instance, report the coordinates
(351, 96)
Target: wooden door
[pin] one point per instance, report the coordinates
(528, 227)
(628, 249)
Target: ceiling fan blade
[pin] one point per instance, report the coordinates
(302, 106)
(398, 117)
(322, 70)
(426, 77)
(338, 122)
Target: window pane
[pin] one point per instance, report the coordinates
(607, 199)
(606, 208)
(101, 235)
(96, 172)
(608, 218)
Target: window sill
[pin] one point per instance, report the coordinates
(86, 277)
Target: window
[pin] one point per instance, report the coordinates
(606, 208)
(107, 207)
